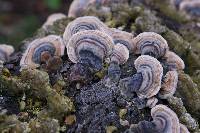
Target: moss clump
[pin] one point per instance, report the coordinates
(177, 105)
(164, 7)
(48, 125)
(11, 124)
(187, 90)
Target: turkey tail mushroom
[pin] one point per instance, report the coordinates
(88, 49)
(77, 8)
(173, 61)
(41, 50)
(169, 85)
(146, 83)
(5, 51)
(119, 56)
(150, 43)
(82, 24)
(191, 7)
(52, 18)
(164, 121)
(123, 37)
(183, 129)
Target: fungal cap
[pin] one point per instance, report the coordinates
(150, 42)
(152, 72)
(8, 49)
(183, 129)
(122, 37)
(165, 119)
(169, 85)
(52, 18)
(120, 53)
(77, 7)
(95, 41)
(51, 40)
(190, 3)
(82, 24)
(5, 52)
(151, 102)
(174, 60)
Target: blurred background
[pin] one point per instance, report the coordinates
(19, 19)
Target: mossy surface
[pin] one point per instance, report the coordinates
(52, 102)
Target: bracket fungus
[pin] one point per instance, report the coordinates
(52, 18)
(147, 81)
(183, 129)
(119, 55)
(169, 84)
(77, 7)
(41, 50)
(164, 121)
(150, 43)
(88, 49)
(176, 2)
(191, 7)
(173, 61)
(151, 102)
(82, 24)
(5, 51)
(123, 37)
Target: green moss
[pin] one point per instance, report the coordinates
(36, 83)
(164, 7)
(177, 105)
(187, 90)
(44, 125)
(10, 124)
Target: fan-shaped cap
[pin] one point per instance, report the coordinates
(40, 49)
(183, 129)
(123, 37)
(150, 43)
(94, 41)
(77, 7)
(165, 119)
(190, 6)
(173, 61)
(151, 102)
(152, 72)
(169, 85)
(176, 3)
(52, 18)
(5, 51)
(120, 53)
(82, 24)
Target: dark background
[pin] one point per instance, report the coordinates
(19, 19)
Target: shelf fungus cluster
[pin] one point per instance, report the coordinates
(156, 71)
(164, 121)
(5, 52)
(191, 7)
(89, 43)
